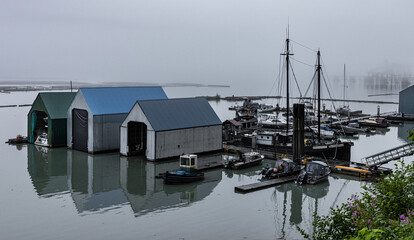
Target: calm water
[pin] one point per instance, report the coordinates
(64, 194)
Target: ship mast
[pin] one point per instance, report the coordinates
(318, 69)
(287, 54)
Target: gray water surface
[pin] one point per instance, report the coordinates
(65, 194)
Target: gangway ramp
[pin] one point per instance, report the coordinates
(389, 155)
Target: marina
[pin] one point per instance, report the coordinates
(123, 120)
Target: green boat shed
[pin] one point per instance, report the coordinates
(48, 115)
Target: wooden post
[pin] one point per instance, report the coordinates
(298, 132)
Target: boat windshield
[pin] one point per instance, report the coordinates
(315, 169)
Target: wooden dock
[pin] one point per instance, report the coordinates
(265, 184)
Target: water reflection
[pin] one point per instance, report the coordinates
(48, 170)
(293, 197)
(146, 193)
(403, 130)
(94, 181)
(103, 182)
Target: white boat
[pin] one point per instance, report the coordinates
(41, 140)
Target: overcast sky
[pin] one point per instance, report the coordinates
(232, 42)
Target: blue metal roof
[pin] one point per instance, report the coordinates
(171, 114)
(116, 100)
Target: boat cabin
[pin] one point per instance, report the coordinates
(317, 168)
(285, 164)
(188, 162)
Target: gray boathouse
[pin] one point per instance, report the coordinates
(168, 128)
(95, 115)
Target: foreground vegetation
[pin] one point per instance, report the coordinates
(385, 210)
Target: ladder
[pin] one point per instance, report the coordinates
(389, 155)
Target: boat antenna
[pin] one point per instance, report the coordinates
(287, 54)
(344, 82)
(318, 69)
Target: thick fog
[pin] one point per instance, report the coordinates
(232, 42)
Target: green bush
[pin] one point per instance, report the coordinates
(383, 211)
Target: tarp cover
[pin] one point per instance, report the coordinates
(80, 129)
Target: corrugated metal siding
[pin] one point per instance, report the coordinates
(191, 140)
(170, 114)
(106, 132)
(115, 100)
(406, 100)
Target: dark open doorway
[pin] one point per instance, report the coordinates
(39, 124)
(80, 130)
(137, 138)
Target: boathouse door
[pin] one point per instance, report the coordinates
(80, 130)
(137, 138)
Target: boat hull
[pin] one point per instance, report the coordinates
(242, 165)
(341, 151)
(180, 179)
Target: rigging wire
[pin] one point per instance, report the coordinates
(303, 63)
(304, 46)
(296, 81)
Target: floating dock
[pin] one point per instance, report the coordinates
(265, 184)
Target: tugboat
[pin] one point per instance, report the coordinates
(283, 167)
(315, 172)
(244, 160)
(187, 173)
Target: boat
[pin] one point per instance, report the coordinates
(180, 177)
(187, 173)
(282, 143)
(315, 172)
(272, 121)
(283, 167)
(378, 122)
(244, 160)
(42, 140)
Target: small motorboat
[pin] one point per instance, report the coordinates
(374, 122)
(180, 177)
(42, 140)
(244, 160)
(283, 167)
(187, 173)
(315, 172)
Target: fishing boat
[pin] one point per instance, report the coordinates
(315, 172)
(283, 167)
(187, 173)
(244, 160)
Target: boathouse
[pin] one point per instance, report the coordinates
(96, 114)
(168, 128)
(406, 97)
(48, 114)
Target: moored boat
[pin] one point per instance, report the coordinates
(41, 140)
(244, 160)
(315, 172)
(283, 167)
(187, 173)
(180, 177)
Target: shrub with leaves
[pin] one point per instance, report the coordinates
(383, 211)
